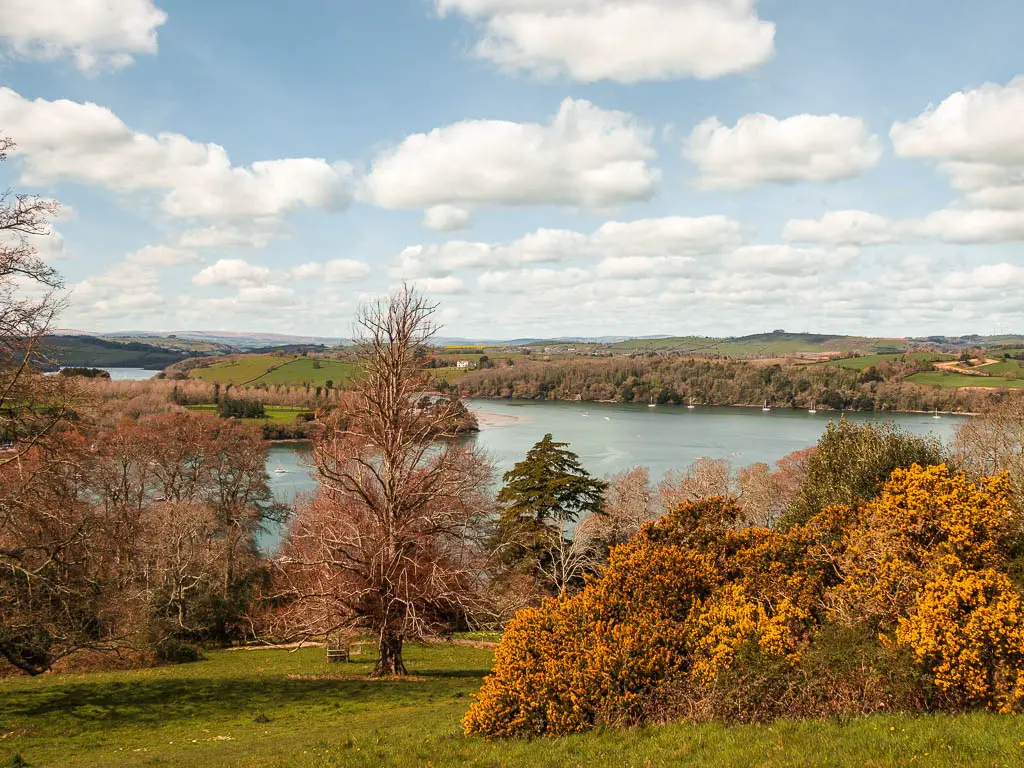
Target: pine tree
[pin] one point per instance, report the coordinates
(543, 496)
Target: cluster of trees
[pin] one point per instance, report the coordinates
(140, 537)
(88, 373)
(719, 382)
(231, 408)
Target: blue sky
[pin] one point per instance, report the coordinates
(540, 167)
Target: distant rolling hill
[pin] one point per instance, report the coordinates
(93, 352)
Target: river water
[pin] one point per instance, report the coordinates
(611, 438)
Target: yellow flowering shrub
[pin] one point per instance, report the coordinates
(599, 656)
(923, 564)
(899, 602)
(926, 522)
(967, 629)
(731, 619)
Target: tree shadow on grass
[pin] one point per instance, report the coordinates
(150, 703)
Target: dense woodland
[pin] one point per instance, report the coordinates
(671, 379)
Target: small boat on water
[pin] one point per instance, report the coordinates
(766, 407)
(936, 414)
(814, 408)
(280, 470)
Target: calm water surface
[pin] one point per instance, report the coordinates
(130, 374)
(611, 438)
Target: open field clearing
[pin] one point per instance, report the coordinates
(276, 414)
(277, 369)
(312, 371)
(867, 361)
(239, 370)
(949, 380)
(275, 708)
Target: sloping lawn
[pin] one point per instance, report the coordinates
(275, 708)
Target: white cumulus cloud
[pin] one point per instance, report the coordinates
(334, 271)
(976, 138)
(95, 34)
(447, 218)
(586, 156)
(842, 228)
(233, 272)
(161, 256)
(762, 149)
(623, 40)
(88, 143)
(675, 237)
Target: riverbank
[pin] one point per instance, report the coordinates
(750, 406)
(488, 420)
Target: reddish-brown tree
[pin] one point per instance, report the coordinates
(388, 544)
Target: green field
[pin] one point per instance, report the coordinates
(1008, 368)
(277, 369)
(303, 371)
(275, 708)
(948, 380)
(867, 361)
(276, 414)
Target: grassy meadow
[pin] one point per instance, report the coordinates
(867, 361)
(276, 708)
(277, 369)
(276, 414)
(951, 380)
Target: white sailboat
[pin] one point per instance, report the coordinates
(766, 408)
(936, 414)
(652, 404)
(280, 470)
(814, 408)
(691, 406)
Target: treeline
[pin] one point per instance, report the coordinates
(666, 380)
(136, 398)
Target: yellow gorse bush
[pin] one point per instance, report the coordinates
(689, 598)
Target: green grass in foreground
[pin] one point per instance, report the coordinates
(948, 380)
(272, 708)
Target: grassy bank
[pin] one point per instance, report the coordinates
(269, 708)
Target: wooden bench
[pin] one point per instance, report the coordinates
(337, 654)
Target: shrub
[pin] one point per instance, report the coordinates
(175, 651)
(899, 603)
(852, 463)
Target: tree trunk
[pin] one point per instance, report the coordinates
(390, 663)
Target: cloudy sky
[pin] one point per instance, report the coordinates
(540, 167)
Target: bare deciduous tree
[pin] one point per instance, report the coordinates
(629, 502)
(388, 544)
(702, 479)
(30, 405)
